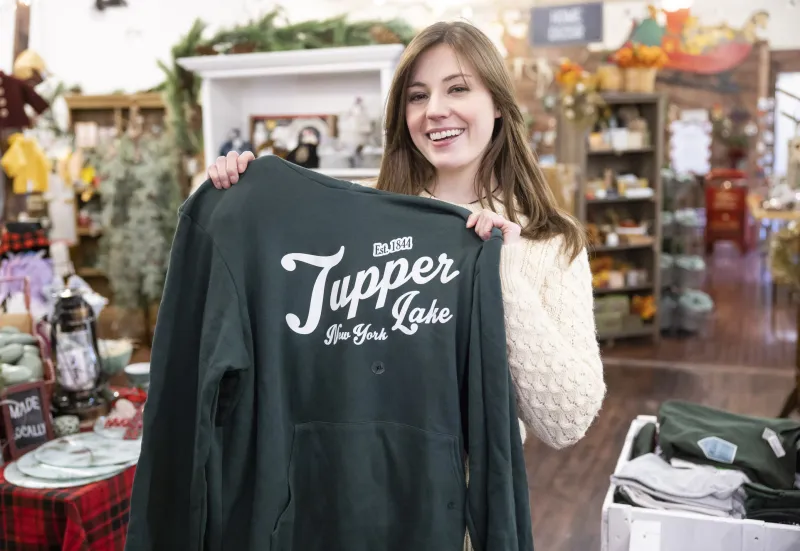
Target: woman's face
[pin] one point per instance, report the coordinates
(450, 113)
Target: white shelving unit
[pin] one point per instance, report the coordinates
(323, 81)
(350, 173)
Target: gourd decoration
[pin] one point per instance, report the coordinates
(20, 357)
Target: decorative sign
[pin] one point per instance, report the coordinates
(26, 414)
(693, 47)
(690, 142)
(563, 25)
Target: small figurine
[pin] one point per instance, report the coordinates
(305, 154)
(260, 136)
(236, 143)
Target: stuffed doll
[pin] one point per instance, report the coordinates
(14, 95)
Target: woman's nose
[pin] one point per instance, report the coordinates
(438, 107)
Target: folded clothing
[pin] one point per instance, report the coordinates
(644, 441)
(766, 504)
(650, 481)
(764, 449)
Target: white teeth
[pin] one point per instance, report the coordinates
(436, 136)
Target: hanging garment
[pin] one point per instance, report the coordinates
(61, 210)
(764, 449)
(14, 95)
(325, 357)
(651, 482)
(26, 164)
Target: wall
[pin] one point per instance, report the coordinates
(116, 50)
(7, 14)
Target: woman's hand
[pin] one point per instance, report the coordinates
(225, 172)
(485, 220)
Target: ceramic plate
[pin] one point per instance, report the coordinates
(88, 449)
(28, 465)
(14, 476)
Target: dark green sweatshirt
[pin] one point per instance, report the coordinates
(325, 359)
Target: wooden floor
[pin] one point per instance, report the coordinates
(568, 486)
(741, 330)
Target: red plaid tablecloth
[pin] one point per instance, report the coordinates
(87, 518)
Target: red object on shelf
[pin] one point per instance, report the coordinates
(727, 218)
(93, 517)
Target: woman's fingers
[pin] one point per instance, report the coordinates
(232, 167)
(222, 172)
(485, 227)
(214, 175)
(244, 160)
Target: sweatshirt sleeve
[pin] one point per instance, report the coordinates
(553, 352)
(498, 507)
(200, 334)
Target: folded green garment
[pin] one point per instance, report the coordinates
(644, 441)
(764, 449)
(780, 506)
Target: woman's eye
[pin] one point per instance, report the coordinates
(416, 97)
(459, 89)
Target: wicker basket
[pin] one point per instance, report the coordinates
(609, 78)
(640, 79)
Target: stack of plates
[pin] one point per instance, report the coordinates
(72, 461)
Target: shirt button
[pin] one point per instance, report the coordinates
(3, 112)
(377, 368)
(2, 102)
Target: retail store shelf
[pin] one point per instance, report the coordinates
(238, 89)
(606, 249)
(353, 59)
(644, 331)
(349, 173)
(619, 199)
(623, 290)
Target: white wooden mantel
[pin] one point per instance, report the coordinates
(318, 81)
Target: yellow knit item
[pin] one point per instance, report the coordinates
(26, 164)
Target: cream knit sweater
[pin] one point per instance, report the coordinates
(552, 345)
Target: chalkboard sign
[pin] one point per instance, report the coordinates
(574, 24)
(26, 414)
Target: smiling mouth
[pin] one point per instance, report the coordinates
(445, 134)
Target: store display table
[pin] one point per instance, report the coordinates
(627, 528)
(93, 517)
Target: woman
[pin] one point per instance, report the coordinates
(455, 133)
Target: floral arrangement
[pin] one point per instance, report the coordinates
(580, 101)
(640, 56)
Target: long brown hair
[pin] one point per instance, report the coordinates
(508, 157)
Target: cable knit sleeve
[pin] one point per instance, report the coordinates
(553, 352)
